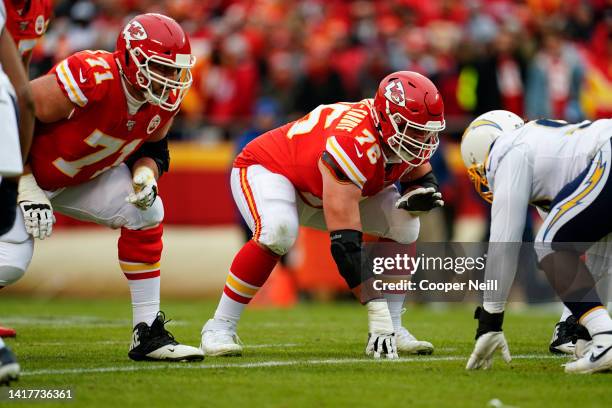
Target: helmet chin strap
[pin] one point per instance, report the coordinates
(390, 156)
(133, 103)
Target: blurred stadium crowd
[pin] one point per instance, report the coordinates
(537, 58)
(265, 62)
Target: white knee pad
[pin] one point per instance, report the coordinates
(10, 274)
(280, 234)
(14, 260)
(405, 232)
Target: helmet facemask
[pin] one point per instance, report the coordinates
(160, 77)
(477, 175)
(412, 142)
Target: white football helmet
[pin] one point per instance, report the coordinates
(476, 143)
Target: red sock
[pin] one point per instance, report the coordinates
(139, 257)
(140, 252)
(249, 271)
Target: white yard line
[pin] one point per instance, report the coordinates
(82, 321)
(77, 343)
(257, 346)
(127, 343)
(263, 364)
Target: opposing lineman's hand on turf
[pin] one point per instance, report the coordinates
(145, 188)
(36, 208)
(486, 345)
(381, 338)
(489, 339)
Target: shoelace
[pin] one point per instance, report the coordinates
(161, 330)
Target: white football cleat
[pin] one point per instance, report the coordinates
(407, 343)
(219, 338)
(597, 358)
(582, 347)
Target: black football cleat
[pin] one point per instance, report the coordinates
(155, 343)
(565, 336)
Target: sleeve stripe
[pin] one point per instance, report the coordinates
(70, 85)
(343, 159)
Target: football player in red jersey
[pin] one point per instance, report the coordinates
(336, 169)
(99, 146)
(27, 21)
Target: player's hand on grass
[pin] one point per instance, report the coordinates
(381, 338)
(485, 348)
(145, 188)
(381, 346)
(36, 208)
(489, 339)
(420, 200)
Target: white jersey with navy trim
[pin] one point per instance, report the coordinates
(2, 27)
(555, 151)
(531, 165)
(10, 154)
(2, 16)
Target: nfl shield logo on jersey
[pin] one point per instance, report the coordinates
(39, 25)
(153, 124)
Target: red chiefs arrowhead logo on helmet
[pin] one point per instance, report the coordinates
(394, 91)
(134, 31)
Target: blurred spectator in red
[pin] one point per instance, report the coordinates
(596, 97)
(231, 85)
(580, 20)
(321, 82)
(555, 78)
(280, 80)
(501, 75)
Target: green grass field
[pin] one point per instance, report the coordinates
(308, 356)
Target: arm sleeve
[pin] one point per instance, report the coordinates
(157, 151)
(511, 194)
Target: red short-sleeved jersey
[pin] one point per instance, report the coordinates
(345, 132)
(27, 26)
(100, 133)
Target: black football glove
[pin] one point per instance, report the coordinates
(420, 195)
